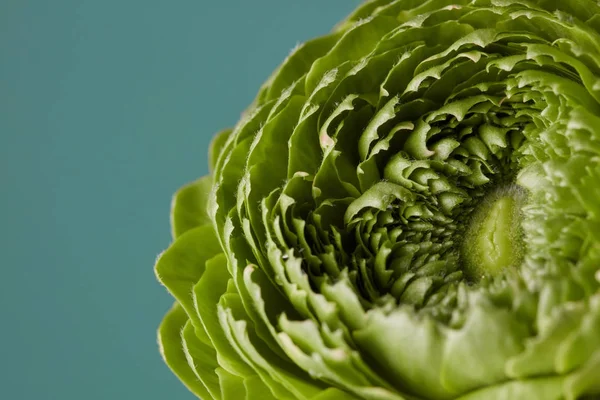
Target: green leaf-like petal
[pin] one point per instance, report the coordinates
(171, 349)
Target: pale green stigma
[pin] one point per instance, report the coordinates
(493, 239)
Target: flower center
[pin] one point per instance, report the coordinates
(493, 240)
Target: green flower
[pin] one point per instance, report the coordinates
(409, 210)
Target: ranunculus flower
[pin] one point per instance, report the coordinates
(410, 209)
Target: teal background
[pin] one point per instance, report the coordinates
(106, 108)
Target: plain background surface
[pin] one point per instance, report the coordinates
(106, 108)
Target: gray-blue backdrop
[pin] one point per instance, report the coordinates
(106, 107)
